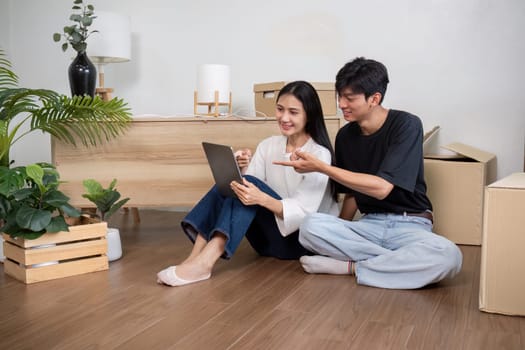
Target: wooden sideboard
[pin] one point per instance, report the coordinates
(159, 162)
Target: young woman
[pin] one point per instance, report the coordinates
(272, 200)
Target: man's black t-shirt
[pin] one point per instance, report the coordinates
(394, 153)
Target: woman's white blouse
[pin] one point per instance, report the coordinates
(301, 194)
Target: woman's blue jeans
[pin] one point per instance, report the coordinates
(228, 216)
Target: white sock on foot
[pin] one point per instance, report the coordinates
(324, 264)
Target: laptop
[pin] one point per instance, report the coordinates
(223, 167)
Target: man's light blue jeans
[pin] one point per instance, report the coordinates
(390, 250)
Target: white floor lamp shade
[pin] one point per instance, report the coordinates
(111, 44)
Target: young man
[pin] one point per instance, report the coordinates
(379, 167)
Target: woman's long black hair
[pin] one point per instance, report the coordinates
(315, 124)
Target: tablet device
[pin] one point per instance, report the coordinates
(223, 167)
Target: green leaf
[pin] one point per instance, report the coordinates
(33, 219)
(92, 186)
(80, 47)
(12, 228)
(75, 18)
(10, 181)
(76, 37)
(32, 235)
(70, 211)
(57, 37)
(50, 180)
(35, 173)
(57, 224)
(115, 207)
(87, 21)
(70, 29)
(5, 208)
(23, 194)
(55, 198)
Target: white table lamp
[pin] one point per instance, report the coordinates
(213, 89)
(112, 44)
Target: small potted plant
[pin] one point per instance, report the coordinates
(107, 202)
(82, 72)
(41, 228)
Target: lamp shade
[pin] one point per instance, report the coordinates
(211, 78)
(112, 42)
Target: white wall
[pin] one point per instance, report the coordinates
(457, 64)
(4, 23)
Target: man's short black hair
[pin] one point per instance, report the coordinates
(362, 76)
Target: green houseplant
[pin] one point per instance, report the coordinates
(77, 33)
(107, 202)
(42, 239)
(31, 203)
(83, 119)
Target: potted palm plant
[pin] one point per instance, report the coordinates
(107, 202)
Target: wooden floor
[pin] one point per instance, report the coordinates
(250, 303)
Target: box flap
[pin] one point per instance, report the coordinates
(429, 135)
(278, 85)
(268, 86)
(323, 86)
(471, 152)
(516, 180)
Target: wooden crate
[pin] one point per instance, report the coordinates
(55, 255)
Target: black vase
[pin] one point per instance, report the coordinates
(82, 76)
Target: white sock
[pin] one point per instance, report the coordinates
(324, 264)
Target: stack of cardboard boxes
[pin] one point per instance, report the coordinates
(470, 208)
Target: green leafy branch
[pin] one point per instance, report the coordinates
(77, 33)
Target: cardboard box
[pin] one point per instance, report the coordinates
(266, 97)
(502, 285)
(455, 186)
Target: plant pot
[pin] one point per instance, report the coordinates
(2, 256)
(82, 76)
(55, 255)
(114, 244)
